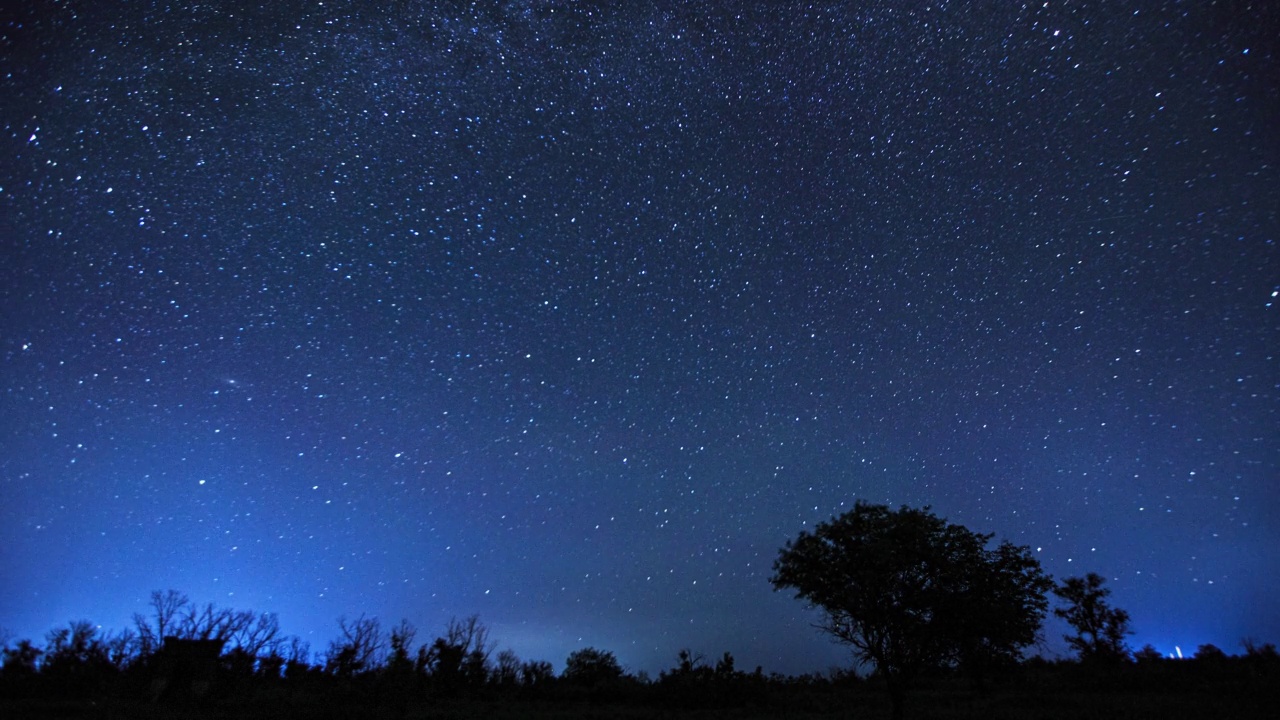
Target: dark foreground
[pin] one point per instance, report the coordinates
(1235, 700)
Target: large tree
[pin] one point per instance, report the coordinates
(909, 591)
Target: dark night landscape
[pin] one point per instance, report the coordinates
(540, 358)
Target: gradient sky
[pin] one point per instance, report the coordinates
(571, 314)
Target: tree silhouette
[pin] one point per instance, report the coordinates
(174, 615)
(460, 656)
(689, 661)
(1259, 650)
(166, 609)
(297, 658)
(506, 672)
(691, 669)
(76, 659)
(1148, 654)
(18, 672)
(590, 667)
(725, 665)
(536, 674)
(910, 592)
(1100, 628)
(122, 648)
(358, 650)
(957, 600)
(399, 661)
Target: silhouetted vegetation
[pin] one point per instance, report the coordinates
(918, 599)
(912, 594)
(77, 674)
(1100, 628)
(591, 668)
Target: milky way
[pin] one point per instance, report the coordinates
(571, 314)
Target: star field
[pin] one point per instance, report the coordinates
(570, 315)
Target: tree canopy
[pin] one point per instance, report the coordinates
(910, 591)
(591, 667)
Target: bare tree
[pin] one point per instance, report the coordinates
(259, 637)
(213, 623)
(507, 670)
(174, 615)
(358, 650)
(122, 648)
(167, 608)
(297, 657)
(470, 634)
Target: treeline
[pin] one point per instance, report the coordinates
(186, 654)
(938, 616)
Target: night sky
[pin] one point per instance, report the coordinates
(571, 314)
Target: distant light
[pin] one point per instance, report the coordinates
(1178, 650)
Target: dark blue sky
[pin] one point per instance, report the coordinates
(570, 315)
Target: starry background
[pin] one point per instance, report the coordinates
(570, 315)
